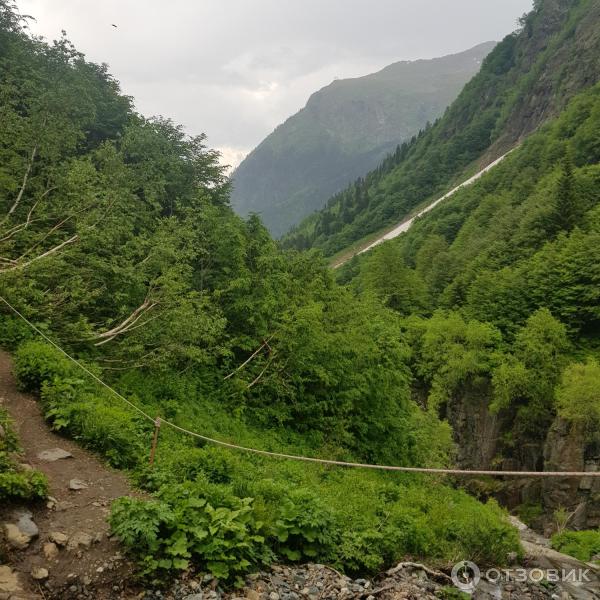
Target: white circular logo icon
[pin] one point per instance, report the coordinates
(466, 575)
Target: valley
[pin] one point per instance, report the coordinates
(184, 358)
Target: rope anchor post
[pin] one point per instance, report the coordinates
(154, 440)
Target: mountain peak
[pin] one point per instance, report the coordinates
(346, 129)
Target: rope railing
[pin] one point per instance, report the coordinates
(322, 461)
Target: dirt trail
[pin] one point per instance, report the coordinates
(95, 569)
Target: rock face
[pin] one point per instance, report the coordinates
(476, 430)
(568, 450)
(479, 436)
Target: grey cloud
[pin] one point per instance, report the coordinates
(237, 68)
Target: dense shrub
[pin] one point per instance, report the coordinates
(15, 483)
(22, 485)
(305, 527)
(435, 522)
(77, 407)
(580, 544)
(94, 418)
(180, 527)
(36, 362)
(578, 396)
(13, 331)
(178, 463)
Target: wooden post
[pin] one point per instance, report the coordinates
(154, 440)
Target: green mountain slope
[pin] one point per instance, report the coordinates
(498, 288)
(525, 80)
(345, 130)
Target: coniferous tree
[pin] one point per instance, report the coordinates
(564, 211)
(566, 200)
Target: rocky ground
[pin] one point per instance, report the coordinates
(407, 581)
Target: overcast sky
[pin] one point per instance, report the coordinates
(235, 69)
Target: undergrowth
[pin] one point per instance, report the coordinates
(16, 482)
(584, 545)
(230, 512)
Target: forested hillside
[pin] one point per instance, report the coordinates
(499, 290)
(118, 241)
(471, 340)
(526, 79)
(345, 130)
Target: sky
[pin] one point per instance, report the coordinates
(235, 69)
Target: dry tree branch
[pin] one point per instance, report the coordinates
(257, 379)
(23, 184)
(21, 226)
(58, 226)
(21, 265)
(265, 343)
(127, 324)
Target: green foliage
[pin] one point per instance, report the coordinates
(179, 527)
(97, 422)
(437, 522)
(565, 212)
(578, 395)
(25, 485)
(185, 463)
(8, 441)
(16, 483)
(580, 544)
(198, 316)
(528, 376)
(13, 331)
(387, 277)
(450, 355)
(75, 406)
(36, 362)
(451, 593)
(529, 513)
(304, 528)
(347, 378)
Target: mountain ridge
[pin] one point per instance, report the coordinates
(526, 79)
(344, 130)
